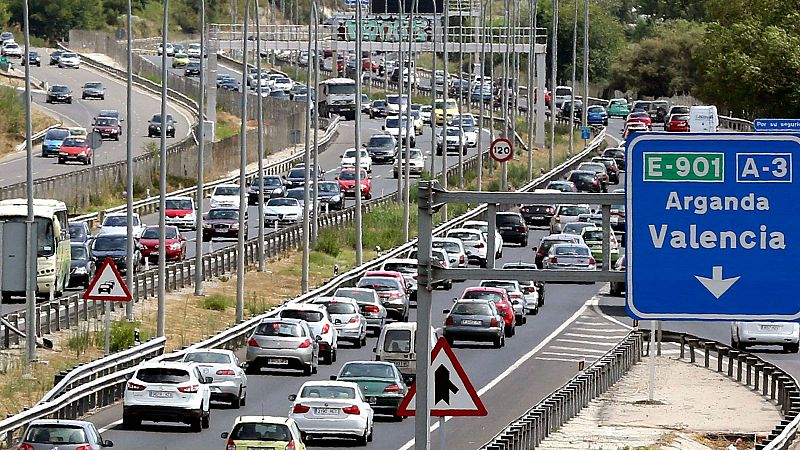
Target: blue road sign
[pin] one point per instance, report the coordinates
(777, 125)
(712, 229)
(586, 133)
(353, 2)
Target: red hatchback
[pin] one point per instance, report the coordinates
(347, 183)
(75, 149)
(173, 240)
(640, 116)
(677, 122)
(500, 298)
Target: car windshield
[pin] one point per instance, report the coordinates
(356, 294)
(105, 121)
(110, 243)
(56, 135)
(77, 229)
(464, 236)
(299, 172)
(342, 88)
(569, 250)
(226, 190)
(508, 219)
(283, 202)
(450, 247)
(93, 86)
(280, 329)
(379, 283)
(340, 308)
(75, 143)
(308, 316)
(55, 435)
(152, 233)
(472, 309)
(115, 221)
(163, 375)
(328, 187)
(223, 214)
(79, 252)
(208, 357)
(349, 175)
(178, 204)
(331, 392)
(273, 432)
(367, 370)
(396, 123)
(379, 103)
(560, 91)
(59, 89)
(453, 132)
(69, 55)
(485, 295)
(352, 153)
(593, 236)
(573, 210)
(397, 341)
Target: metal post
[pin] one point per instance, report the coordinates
(240, 260)
(553, 82)
(211, 88)
(460, 101)
(540, 88)
(307, 178)
(607, 233)
(107, 320)
(652, 359)
(433, 99)
(198, 237)
(491, 214)
(260, 149)
(491, 81)
(422, 435)
(315, 222)
(481, 106)
(444, 106)
(129, 277)
(584, 114)
(162, 185)
(531, 65)
(504, 93)
(359, 37)
(442, 434)
(406, 167)
(30, 225)
(401, 61)
(572, 84)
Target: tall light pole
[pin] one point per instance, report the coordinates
(241, 237)
(162, 184)
(460, 101)
(358, 219)
(584, 113)
(481, 106)
(260, 125)
(531, 65)
(307, 179)
(129, 276)
(434, 95)
(400, 91)
(406, 167)
(444, 106)
(315, 223)
(572, 84)
(198, 245)
(553, 75)
(491, 80)
(30, 225)
(504, 93)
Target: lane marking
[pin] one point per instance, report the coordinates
(587, 350)
(598, 330)
(109, 426)
(544, 358)
(564, 354)
(589, 336)
(577, 341)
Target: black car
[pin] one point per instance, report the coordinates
(154, 126)
(33, 58)
(611, 168)
(115, 246)
(537, 214)
(55, 56)
(382, 148)
(330, 194)
(93, 89)
(228, 84)
(296, 177)
(512, 227)
(585, 181)
(273, 187)
(223, 222)
(192, 69)
(618, 154)
(82, 266)
(78, 232)
(59, 93)
(377, 109)
(298, 89)
(279, 94)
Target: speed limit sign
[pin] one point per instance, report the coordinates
(501, 150)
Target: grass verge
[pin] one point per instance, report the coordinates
(12, 120)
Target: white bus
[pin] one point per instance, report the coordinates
(53, 246)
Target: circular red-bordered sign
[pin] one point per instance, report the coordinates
(501, 150)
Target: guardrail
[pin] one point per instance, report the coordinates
(732, 123)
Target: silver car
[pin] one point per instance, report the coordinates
(566, 214)
(347, 319)
(570, 256)
(392, 294)
(48, 434)
(369, 302)
(785, 334)
(230, 381)
(455, 250)
(408, 268)
(283, 344)
(517, 296)
(474, 320)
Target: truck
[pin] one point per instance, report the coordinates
(703, 119)
(338, 96)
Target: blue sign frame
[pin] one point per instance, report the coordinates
(712, 229)
(777, 125)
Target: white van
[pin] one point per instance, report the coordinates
(397, 345)
(562, 93)
(703, 119)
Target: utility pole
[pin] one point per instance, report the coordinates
(584, 113)
(571, 117)
(434, 95)
(481, 106)
(198, 248)
(315, 223)
(529, 100)
(490, 161)
(553, 75)
(444, 97)
(30, 224)
(461, 100)
(406, 167)
(359, 37)
(129, 276)
(504, 86)
(400, 91)
(240, 261)
(260, 149)
(162, 185)
(307, 179)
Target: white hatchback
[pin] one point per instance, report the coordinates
(283, 210)
(225, 196)
(347, 319)
(335, 409)
(230, 381)
(474, 242)
(349, 159)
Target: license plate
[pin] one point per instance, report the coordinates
(326, 411)
(537, 217)
(471, 322)
(279, 361)
(260, 448)
(160, 394)
(506, 228)
(372, 400)
(401, 363)
(771, 327)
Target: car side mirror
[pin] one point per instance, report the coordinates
(455, 299)
(209, 380)
(318, 338)
(333, 377)
(374, 349)
(292, 397)
(107, 444)
(224, 435)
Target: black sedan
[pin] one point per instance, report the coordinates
(382, 148)
(82, 266)
(93, 89)
(59, 93)
(115, 246)
(585, 180)
(33, 59)
(272, 185)
(377, 109)
(154, 126)
(55, 56)
(192, 69)
(331, 195)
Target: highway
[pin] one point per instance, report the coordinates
(81, 113)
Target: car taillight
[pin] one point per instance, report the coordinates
(371, 309)
(449, 321)
(521, 228)
(377, 357)
(326, 328)
(305, 344)
(253, 342)
(550, 210)
(226, 372)
(461, 259)
(594, 182)
(25, 447)
(353, 319)
(395, 295)
(480, 245)
(188, 389)
(493, 322)
(392, 388)
(300, 408)
(230, 445)
(84, 447)
(351, 410)
(612, 168)
(289, 446)
(553, 260)
(557, 218)
(592, 261)
(134, 387)
(516, 295)
(541, 251)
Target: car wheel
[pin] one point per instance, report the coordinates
(333, 357)
(237, 401)
(791, 348)
(362, 440)
(205, 421)
(83, 97)
(535, 312)
(130, 423)
(357, 343)
(197, 424)
(509, 331)
(364, 340)
(252, 368)
(498, 342)
(309, 369)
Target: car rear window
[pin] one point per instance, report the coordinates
(450, 247)
(357, 295)
(572, 251)
(340, 308)
(163, 375)
(208, 357)
(508, 219)
(482, 295)
(593, 236)
(472, 309)
(261, 432)
(332, 392)
(281, 329)
(397, 341)
(369, 370)
(379, 283)
(308, 316)
(508, 286)
(55, 434)
(400, 267)
(573, 210)
(464, 236)
(581, 176)
(547, 243)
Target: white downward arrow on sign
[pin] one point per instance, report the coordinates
(716, 284)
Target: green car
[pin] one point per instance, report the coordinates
(618, 107)
(593, 237)
(380, 382)
(180, 60)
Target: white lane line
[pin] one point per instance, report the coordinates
(592, 336)
(524, 358)
(587, 350)
(110, 426)
(577, 341)
(544, 358)
(564, 354)
(597, 330)
(597, 310)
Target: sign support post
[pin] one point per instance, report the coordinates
(108, 286)
(442, 435)
(651, 385)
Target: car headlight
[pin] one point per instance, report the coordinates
(277, 191)
(206, 225)
(335, 199)
(235, 226)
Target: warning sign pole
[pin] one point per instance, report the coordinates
(108, 285)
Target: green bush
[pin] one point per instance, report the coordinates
(329, 242)
(216, 302)
(122, 335)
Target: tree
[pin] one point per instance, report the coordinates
(53, 20)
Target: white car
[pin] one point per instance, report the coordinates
(271, 77)
(283, 210)
(181, 212)
(455, 141)
(438, 78)
(440, 258)
(12, 49)
(332, 409)
(416, 163)
(318, 319)
(349, 159)
(225, 196)
(400, 130)
(346, 316)
(117, 223)
(570, 256)
(230, 381)
(474, 242)
(69, 60)
(167, 391)
(425, 112)
(395, 104)
(282, 84)
(170, 49)
(483, 226)
(470, 135)
(194, 50)
(454, 247)
(785, 334)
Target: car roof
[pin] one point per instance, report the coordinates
(559, 236)
(119, 214)
(448, 239)
(68, 422)
(338, 383)
(401, 261)
(210, 350)
(474, 300)
(304, 307)
(333, 299)
(400, 326)
(263, 419)
(485, 289)
(165, 364)
(464, 230)
(282, 319)
(226, 185)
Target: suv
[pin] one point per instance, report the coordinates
(512, 227)
(154, 126)
(167, 391)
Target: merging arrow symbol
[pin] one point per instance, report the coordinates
(716, 284)
(443, 385)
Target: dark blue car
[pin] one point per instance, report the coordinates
(597, 115)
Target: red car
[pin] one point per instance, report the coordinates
(366, 64)
(347, 182)
(173, 240)
(677, 122)
(500, 298)
(108, 127)
(546, 96)
(640, 116)
(387, 273)
(75, 148)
